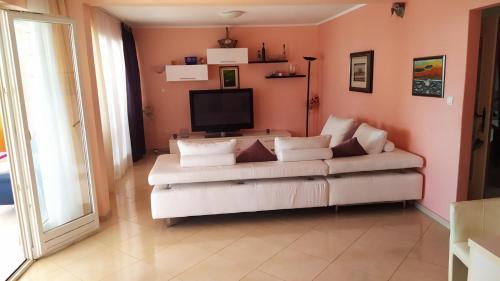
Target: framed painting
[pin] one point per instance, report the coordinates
(428, 76)
(229, 77)
(361, 72)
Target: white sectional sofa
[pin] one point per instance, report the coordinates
(258, 186)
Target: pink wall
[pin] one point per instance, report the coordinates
(278, 103)
(426, 126)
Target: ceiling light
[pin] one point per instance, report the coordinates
(231, 14)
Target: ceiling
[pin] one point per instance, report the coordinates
(209, 15)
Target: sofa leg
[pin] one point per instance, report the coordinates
(336, 208)
(457, 271)
(405, 203)
(172, 221)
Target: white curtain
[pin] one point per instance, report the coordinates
(60, 174)
(112, 88)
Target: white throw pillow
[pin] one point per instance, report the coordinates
(371, 139)
(389, 146)
(304, 154)
(206, 148)
(339, 129)
(290, 143)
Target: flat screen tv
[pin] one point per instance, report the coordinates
(216, 111)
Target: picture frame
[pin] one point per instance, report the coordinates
(361, 72)
(229, 77)
(429, 76)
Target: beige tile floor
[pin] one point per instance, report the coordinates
(383, 242)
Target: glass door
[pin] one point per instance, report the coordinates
(46, 100)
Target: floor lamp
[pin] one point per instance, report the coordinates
(309, 60)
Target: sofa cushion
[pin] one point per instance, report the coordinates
(207, 160)
(304, 154)
(348, 148)
(370, 138)
(187, 147)
(257, 152)
(389, 146)
(167, 170)
(289, 143)
(398, 159)
(195, 199)
(339, 129)
(375, 187)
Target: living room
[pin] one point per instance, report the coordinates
(133, 65)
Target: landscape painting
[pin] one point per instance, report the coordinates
(361, 72)
(428, 76)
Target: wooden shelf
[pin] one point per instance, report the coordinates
(286, 76)
(268, 61)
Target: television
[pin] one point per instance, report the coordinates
(220, 111)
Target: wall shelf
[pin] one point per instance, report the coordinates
(286, 76)
(268, 61)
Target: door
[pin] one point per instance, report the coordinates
(47, 124)
(483, 134)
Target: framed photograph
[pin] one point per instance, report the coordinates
(428, 76)
(229, 77)
(361, 72)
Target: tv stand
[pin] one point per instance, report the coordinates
(223, 135)
(245, 139)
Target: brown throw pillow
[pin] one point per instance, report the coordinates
(257, 152)
(348, 148)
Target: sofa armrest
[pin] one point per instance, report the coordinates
(466, 220)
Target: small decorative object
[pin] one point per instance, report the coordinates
(263, 52)
(398, 8)
(259, 55)
(184, 133)
(201, 60)
(309, 60)
(283, 55)
(361, 73)
(229, 77)
(292, 70)
(227, 42)
(428, 76)
(173, 62)
(314, 102)
(191, 60)
(148, 111)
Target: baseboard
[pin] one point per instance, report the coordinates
(433, 215)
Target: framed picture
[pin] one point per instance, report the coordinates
(428, 76)
(229, 77)
(361, 72)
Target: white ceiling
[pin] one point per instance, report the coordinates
(209, 15)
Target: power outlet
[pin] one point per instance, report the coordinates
(449, 100)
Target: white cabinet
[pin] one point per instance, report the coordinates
(197, 72)
(227, 56)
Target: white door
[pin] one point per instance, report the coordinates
(52, 160)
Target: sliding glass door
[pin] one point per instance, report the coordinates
(45, 99)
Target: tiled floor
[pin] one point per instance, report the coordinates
(359, 243)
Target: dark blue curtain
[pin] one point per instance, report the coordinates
(134, 98)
